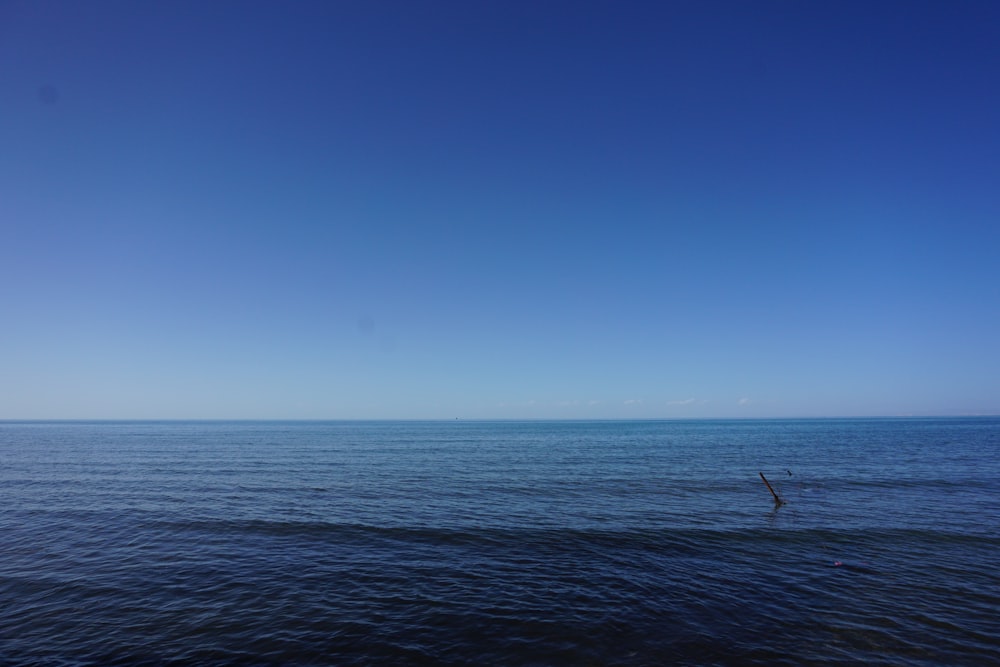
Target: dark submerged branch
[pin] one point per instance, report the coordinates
(777, 498)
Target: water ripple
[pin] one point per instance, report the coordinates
(629, 553)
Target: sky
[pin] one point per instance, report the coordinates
(374, 209)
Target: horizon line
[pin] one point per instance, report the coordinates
(490, 419)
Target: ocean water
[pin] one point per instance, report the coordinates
(500, 543)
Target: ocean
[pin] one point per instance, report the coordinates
(500, 543)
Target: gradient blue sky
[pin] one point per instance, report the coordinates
(370, 209)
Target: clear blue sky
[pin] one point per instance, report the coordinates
(499, 209)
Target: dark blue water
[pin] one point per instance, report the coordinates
(537, 543)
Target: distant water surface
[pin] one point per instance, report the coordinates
(504, 543)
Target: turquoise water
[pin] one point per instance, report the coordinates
(516, 543)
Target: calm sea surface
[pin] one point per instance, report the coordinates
(500, 543)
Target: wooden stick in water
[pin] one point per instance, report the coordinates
(777, 498)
